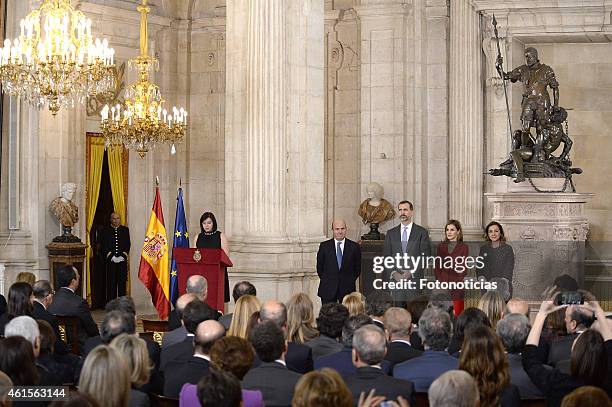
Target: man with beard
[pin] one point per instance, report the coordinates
(409, 239)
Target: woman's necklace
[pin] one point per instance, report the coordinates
(209, 233)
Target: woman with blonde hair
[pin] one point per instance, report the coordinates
(26, 277)
(106, 377)
(134, 350)
(483, 356)
(300, 319)
(245, 307)
(324, 388)
(492, 303)
(355, 303)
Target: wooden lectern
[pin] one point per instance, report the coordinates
(210, 263)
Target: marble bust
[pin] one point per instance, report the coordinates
(67, 213)
(375, 209)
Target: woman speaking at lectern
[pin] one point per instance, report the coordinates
(211, 238)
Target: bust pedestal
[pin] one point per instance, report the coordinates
(547, 232)
(369, 250)
(66, 253)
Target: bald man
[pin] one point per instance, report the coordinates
(180, 372)
(178, 334)
(338, 264)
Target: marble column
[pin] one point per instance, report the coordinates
(274, 185)
(466, 119)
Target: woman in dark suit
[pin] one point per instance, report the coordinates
(211, 238)
(497, 255)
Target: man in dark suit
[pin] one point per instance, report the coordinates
(368, 353)
(43, 297)
(513, 330)
(577, 320)
(197, 285)
(398, 326)
(435, 329)
(338, 265)
(272, 377)
(178, 334)
(342, 361)
(409, 239)
(194, 313)
(116, 244)
(191, 371)
(66, 302)
(332, 317)
(298, 357)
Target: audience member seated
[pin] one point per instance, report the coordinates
(2, 304)
(444, 301)
(298, 357)
(376, 304)
(66, 302)
(517, 306)
(57, 365)
(219, 389)
(342, 361)
(435, 330)
(197, 285)
(369, 347)
(241, 288)
(17, 360)
(271, 377)
(43, 297)
(591, 357)
(114, 324)
(178, 334)
(323, 388)
(300, 319)
(229, 354)
(19, 303)
(134, 350)
(25, 277)
(330, 321)
(513, 330)
(455, 388)
(246, 306)
(179, 372)
(194, 313)
(503, 287)
(483, 357)
(492, 304)
(587, 396)
(398, 328)
(354, 303)
(415, 307)
(106, 377)
(76, 399)
(470, 318)
(5, 386)
(577, 320)
(27, 328)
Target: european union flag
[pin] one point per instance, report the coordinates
(181, 239)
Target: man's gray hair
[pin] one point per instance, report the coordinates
(442, 300)
(41, 289)
(435, 328)
(503, 287)
(513, 330)
(369, 342)
(455, 388)
(197, 285)
(23, 326)
(274, 311)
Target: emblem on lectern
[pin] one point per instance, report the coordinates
(197, 256)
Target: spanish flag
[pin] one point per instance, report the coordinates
(153, 270)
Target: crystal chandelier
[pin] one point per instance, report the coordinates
(142, 122)
(56, 61)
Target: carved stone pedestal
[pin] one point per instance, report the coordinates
(547, 232)
(66, 253)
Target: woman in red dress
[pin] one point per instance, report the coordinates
(450, 265)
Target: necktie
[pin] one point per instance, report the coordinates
(404, 239)
(339, 255)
